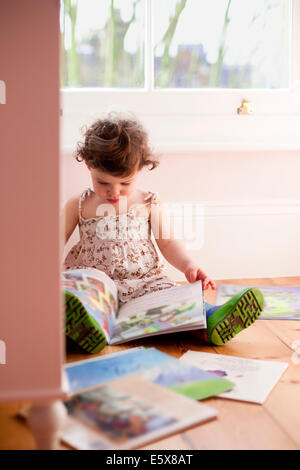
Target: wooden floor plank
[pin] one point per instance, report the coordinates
(14, 434)
(283, 404)
(286, 281)
(256, 342)
(288, 331)
(179, 441)
(239, 426)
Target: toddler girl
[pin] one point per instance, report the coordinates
(117, 223)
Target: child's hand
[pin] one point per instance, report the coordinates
(193, 274)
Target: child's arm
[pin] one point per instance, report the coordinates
(174, 250)
(68, 220)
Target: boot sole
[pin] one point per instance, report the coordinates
(81, 326)
(247, 309)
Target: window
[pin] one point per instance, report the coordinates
(103, 43)
(221, 43)
(184, 67)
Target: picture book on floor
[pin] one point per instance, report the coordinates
(254, 378)
(148, 363)
(280, 302)
(170, 310)
(128, 413)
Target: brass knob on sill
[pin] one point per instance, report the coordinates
(245, 108)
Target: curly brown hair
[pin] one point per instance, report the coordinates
(116, 144)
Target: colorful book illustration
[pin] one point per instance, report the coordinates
(281, 302)
(92, 291)
(127, 413)
(150, 364)
(254, 379)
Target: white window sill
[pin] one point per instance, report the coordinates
(191, 120)
(191, 133)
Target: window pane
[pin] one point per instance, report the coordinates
(103, 43)
(221, 43)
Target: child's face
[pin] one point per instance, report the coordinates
(110, 188)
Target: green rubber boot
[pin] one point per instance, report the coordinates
(234, 316)
(81, 327)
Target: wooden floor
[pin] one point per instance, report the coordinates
(273, 425)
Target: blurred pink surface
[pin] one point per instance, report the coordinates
(30, 316)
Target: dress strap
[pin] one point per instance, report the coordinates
(151, 197)
(85, 193)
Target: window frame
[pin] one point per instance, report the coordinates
(192, 120)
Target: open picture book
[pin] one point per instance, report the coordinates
(126, 413)
(150, 364)
(254, 379)
(92, 302)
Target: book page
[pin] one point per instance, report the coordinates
(175, 309)
(127, 413)
(148, 363)
(280, 302)
(96, 292)
(253, 378)
(170, 296)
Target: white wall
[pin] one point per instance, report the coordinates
(251, 205)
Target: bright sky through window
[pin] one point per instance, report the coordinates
(215, 43)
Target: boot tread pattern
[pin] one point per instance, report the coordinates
(80, 327)
(243, 315)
